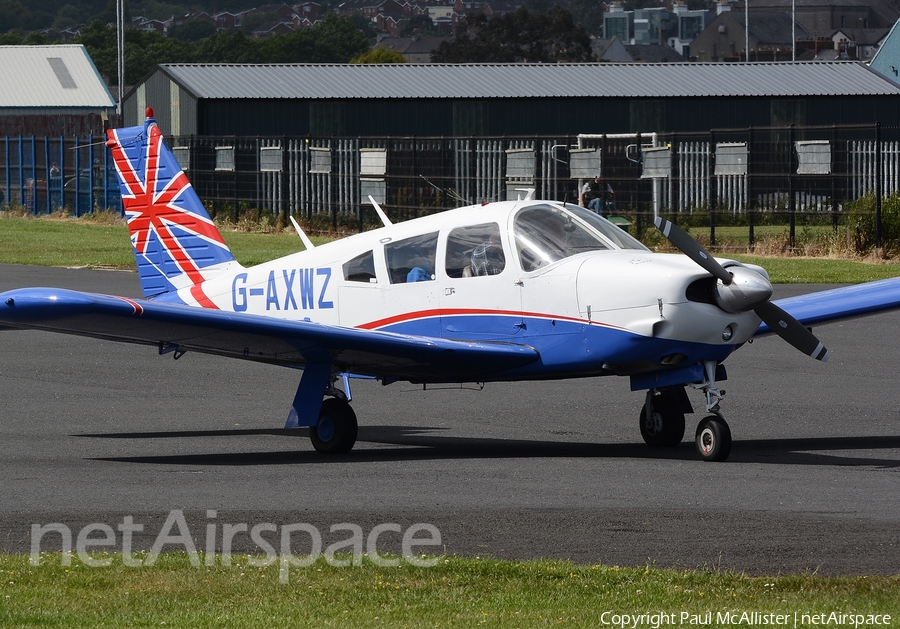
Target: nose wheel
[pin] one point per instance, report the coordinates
(713, 439)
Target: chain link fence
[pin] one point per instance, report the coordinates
(740, 178)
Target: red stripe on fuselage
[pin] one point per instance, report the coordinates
(459, 312)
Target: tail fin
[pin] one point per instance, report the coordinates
(176, 244)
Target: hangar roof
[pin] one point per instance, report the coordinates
(51, 76)
(628, 80)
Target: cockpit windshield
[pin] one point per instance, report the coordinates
(545, 234)
(619, 237)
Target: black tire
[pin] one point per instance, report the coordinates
(713, 439)
(335, 432)
(664, 426)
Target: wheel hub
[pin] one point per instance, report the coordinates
(325, 428)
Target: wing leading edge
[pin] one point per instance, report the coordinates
(258, 338)
(847, 302)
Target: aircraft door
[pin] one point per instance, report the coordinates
(411, 301)
(481, 298)
(360, 295)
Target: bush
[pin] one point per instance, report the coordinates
(861, 220)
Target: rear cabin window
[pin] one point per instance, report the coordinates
(361, 268)
(411, 259)
(475, 251)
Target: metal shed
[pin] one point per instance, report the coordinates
(51, 90)
(507, 99)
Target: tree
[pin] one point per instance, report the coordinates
(11, 38)
(11, 13)
(337, 40)
(416, 25)
(68, 15)
(192, 30)
(364, 24)
(517, 37)
(100, 42)
(539, 6)
(588, 14)
(228, 48)
(379, 55)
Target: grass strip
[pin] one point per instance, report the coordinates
(457, 592)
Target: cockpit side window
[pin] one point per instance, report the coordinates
(475, 251)
(411, 259)
(361, 268)
(545, 234)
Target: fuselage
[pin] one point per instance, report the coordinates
(589, 297)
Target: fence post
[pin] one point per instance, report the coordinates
(62, 172)
(792, 203)
(33, 176)
(22, 173)
(8, 169)
(714, 192)
(92, 185)
(834, 203)
(751, 234)
(47, 174)
(878, 173)
(674, 178)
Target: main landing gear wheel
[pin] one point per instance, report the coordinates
(663, 425)
(713, 439)
(335, 432)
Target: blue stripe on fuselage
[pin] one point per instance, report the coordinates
(565, 346)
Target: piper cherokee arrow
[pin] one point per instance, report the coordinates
(508, 291)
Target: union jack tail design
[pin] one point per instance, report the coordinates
(176, 245)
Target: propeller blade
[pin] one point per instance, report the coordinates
(685, 243)
(791, 330)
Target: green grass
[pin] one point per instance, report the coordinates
(793, 270)
(77, 243)
(84, 243)
(457, 592)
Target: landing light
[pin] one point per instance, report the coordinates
(727, 333)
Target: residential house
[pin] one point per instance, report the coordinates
(821, 18)
(272, 28)
(858, 43)
(610, 50)
(771, 38)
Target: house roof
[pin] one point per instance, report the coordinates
(51, 76)
(768, 28)
(592, 80)
(864, 36)
(653, 53)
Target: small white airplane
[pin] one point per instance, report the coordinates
(517, 290)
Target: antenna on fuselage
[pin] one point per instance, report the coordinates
(306, 241)
(384, 218)
(448, 191)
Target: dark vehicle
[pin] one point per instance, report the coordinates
(86, 193)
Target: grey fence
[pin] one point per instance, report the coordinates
(753, 174)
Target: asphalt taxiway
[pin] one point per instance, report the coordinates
(94, 431)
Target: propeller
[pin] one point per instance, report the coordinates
(742, 289)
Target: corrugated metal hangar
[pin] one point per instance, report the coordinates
(51, 90)
(507, 99)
